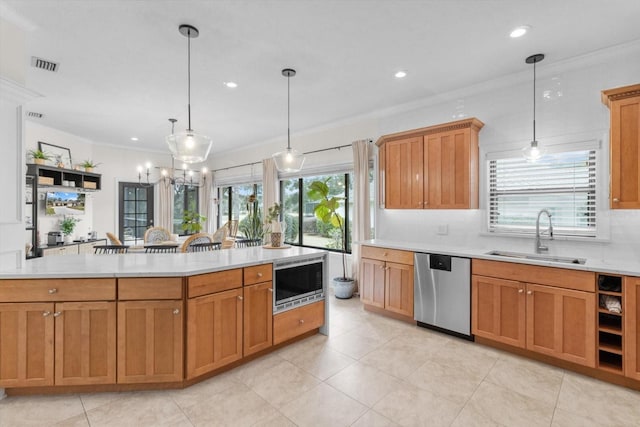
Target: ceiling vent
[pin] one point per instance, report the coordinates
(34, 115)
(43, 64)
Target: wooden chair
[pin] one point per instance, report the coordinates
(195, 239)
(156, 235)
(113, 239)
(110, 249)
(160, 249)
(244, 243)
(204, 247)
(221, 234)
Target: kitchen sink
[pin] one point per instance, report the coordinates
(538, 257)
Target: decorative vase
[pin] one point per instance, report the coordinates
(343, 287)
(68, 239)
(38, 161)
(88, 169)
(276, 240)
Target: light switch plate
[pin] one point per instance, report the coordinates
(443, 229)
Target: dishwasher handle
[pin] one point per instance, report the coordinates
(440, 262)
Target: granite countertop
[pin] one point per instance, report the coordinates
(601, 266)
(152, 265)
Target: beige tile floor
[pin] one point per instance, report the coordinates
(371, 371)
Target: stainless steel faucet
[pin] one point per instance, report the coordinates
(539, 246)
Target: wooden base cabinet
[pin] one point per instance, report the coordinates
(258, 317)
(632, 327)
(150, 341)
(26, 344)
(551, 320)
(386, 280)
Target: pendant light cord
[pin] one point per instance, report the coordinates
(288, 112)
(189, 76)
(534, 100)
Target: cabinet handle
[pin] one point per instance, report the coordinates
(529, 292)
(53, 291)
(616, 200)
(57, 314)
(382, 267)
(270, 290)
(301, 321)
(46, 313)
(520, 291)
(240, 298)
(385, 254)
(176, 311)
(259, 274)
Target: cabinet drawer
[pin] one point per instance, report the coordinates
(258, 274)
(210, 283)
(296, 322)
(149, 288)
(552, 276)
(384, 254)
(57, 290)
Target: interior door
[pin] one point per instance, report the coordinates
(135, 212)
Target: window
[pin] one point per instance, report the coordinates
(564, 183)
(185, 198)
(235, 201)
(135, 211)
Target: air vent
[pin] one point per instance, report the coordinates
(43, 64)
(34, 115)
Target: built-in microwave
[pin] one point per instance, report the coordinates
(298, 282)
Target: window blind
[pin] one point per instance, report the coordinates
(564, 183)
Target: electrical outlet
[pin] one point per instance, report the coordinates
(443, 229)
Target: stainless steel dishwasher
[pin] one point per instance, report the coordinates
(442, 293)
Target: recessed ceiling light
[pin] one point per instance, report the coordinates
(231, 85)
(519, 31)
(134, 138)
(400, 74)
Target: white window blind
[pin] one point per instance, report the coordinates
(564, 183)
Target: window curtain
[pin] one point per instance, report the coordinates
(361, 224)
(165, 205)
(270, 187)
(204, 202)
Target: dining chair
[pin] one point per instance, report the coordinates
(156, 235)
(110, 249)
(160, 249)
(204, 247)
(221, 234)
(113, 239)
(245, 243)
(195, 239)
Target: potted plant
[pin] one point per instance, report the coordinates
(88, 165)
(251, 226)
(274, 227)
(39, 156)
(192, 222)
(67, 225)
(327, 211)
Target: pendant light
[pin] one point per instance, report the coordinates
(289, 160)
(533, 152)
(188, 146)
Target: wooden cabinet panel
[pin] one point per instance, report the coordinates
(562, 323)
(398, 295)
(150, 341)
(498, 310)
(258, 274)
(204, 284)
(296, 322)
(385, 254)
(26, 344)
(150, 288)
(372, 282)
(258, 317)
(60, 250)
(41, 290)
(631, 326)
(85, 343)
(214, 331)
(87, 247)
(404, 174)
(624, 105)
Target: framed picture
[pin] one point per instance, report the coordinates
(60, 156)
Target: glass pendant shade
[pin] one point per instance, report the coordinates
(289, 160)
(189, 147)
(532, 152)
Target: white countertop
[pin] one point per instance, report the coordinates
(601, 266)
(152, 265)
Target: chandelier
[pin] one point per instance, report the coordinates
(183, 177)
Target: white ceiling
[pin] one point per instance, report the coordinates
(123, 64)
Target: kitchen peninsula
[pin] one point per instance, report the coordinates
(146, 321)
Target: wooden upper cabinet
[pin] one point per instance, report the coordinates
(624, 105)
(431, 168)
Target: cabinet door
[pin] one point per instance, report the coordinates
(258, 317)
(372, 277)
(398, 295)
(631, 312)
(448, 170)
(85, 346)
(26, 344)
(214, 331)
(625, 153)
(562, 323)
(404, 174)
(150, 341)
(498, 310)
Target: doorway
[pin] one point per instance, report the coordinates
(135, 212)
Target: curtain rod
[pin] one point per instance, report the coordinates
(308, 152)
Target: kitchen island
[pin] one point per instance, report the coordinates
(145, 321)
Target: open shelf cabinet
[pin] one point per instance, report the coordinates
(610, 324)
